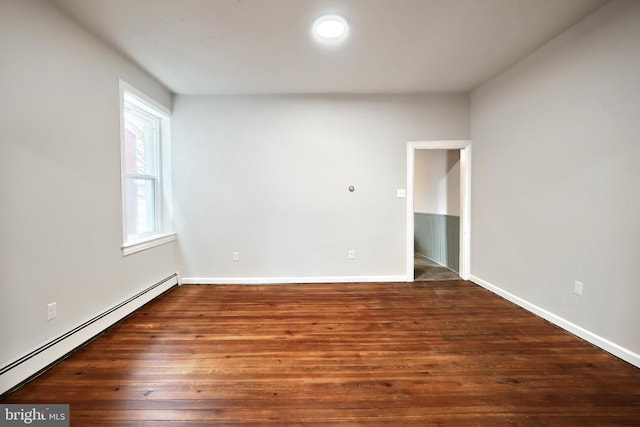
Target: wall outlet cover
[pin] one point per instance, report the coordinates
(577, 288)
(51, 311)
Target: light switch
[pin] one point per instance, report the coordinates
(401, 192)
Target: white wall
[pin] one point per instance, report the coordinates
(268, 177)
(437, 182)
(555, 178)
(61, 227)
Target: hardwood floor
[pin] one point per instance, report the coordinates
(419, 354)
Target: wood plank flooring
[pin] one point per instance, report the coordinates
(415, 354)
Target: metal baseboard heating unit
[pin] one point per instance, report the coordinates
(37, 361)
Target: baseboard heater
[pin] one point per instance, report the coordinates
(29, 356)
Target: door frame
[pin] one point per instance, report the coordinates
(465, 200)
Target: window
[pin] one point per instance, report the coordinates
(144, 143)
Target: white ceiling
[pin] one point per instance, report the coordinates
(265, 46)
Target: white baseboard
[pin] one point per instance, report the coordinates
(288, 280)
(598, 341)
(35, 360)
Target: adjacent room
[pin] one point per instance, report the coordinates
(225, 212)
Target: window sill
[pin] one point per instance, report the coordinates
(148, 243)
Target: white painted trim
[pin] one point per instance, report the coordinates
(142, 97)
(287, 280)
(123, 186)
(151, 242)
(40, 361)
(454, 144)
(465, 212)
(465, 200)
(609, 346)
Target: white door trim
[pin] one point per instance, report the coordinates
(465, 199)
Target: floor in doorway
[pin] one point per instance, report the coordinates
(428, 270)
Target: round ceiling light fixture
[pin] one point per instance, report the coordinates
(330, 28)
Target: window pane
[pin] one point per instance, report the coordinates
(140, 206)
(141, 136)
(144, 127)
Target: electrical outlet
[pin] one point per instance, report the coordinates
(577, 288)
(352, 254)
(235, 256)
(51, 311)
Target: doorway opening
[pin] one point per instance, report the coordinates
(436, 218)
(463, 261)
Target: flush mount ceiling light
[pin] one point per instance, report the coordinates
(330, 28)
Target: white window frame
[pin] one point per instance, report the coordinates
(162, 233)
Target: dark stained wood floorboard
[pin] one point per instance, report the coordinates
(425, 353)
